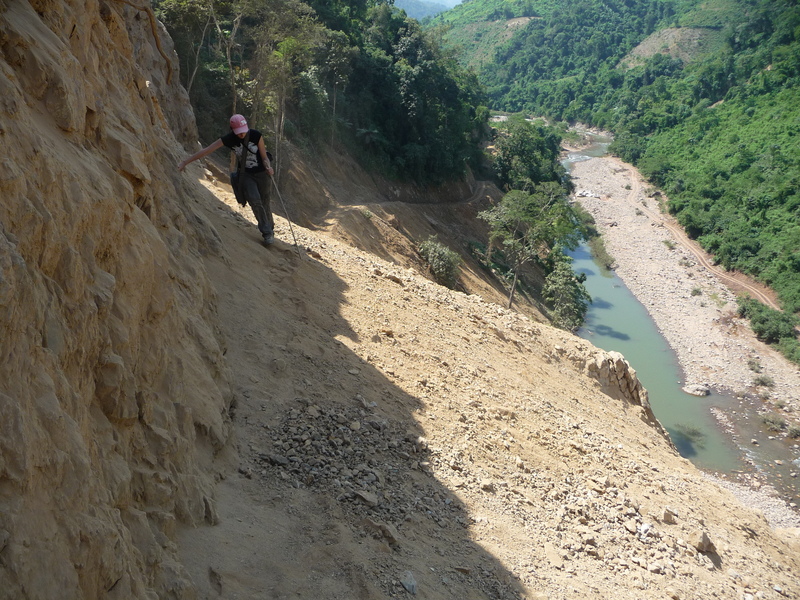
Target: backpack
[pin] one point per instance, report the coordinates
(236, 175)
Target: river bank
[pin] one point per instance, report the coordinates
(690, 303)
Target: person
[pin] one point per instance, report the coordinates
(253, 178)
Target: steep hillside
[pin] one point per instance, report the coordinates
(187, 414)
(393, 431)
(114, 391)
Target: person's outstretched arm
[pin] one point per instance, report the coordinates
(200, 154)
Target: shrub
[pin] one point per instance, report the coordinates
(794, 432)
(790, 348)
(696, 291)
(755, 365)
(764, 380)
(565, 293)
(717, 300)
(442, 261)
(594, 239)
(773, 422)
(600, 253)
(769, 325)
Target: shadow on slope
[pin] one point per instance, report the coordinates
(329, 494)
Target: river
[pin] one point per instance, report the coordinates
(617, 321)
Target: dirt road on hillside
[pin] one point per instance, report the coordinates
(738, 282)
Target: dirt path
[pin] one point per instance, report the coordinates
(736, 281)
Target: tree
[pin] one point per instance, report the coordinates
(527, 226)
(285, 37)
(565, 292)
(338, 66)
(443, 262)
(189, 22)
(526, 155)
(228, 38)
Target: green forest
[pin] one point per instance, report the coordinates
(358, 72)
(710, 112)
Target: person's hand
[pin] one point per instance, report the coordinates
(270, 171)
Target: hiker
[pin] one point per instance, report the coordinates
(251, 181)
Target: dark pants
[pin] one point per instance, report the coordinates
(255, 189)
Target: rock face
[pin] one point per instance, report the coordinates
(112, 380)
(616, 377)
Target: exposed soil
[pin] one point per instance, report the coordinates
(396, 438)
(683, 43)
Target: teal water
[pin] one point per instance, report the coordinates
(617, 321)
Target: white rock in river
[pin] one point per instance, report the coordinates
(697, 389)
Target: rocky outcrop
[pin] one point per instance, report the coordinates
(113, 388)
(616, 377)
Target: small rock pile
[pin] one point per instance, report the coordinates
(357, 457)
(379, 473)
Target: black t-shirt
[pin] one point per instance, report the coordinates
(254, 163)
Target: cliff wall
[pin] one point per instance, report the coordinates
(114, 393)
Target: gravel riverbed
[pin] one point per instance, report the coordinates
(688, 299)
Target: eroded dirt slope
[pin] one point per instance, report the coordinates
(395, 435)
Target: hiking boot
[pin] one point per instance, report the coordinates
(269, 238)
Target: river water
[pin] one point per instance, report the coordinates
(617, 321)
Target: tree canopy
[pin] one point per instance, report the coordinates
(717, 128)
(356, 72)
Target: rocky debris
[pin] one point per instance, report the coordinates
(409, 582)
(385, 478)
(701, 542)
(321, 449)
(697, 389)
